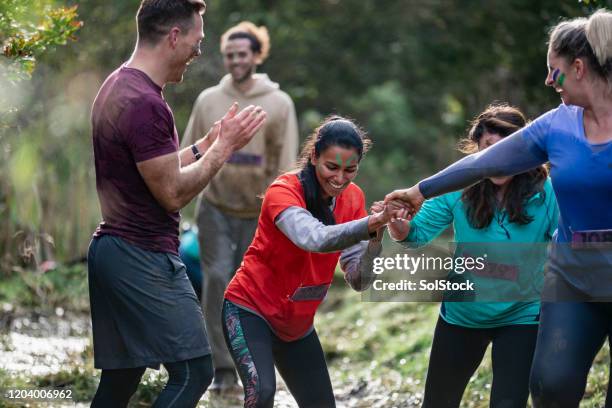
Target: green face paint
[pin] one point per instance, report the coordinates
(561, 79)
(348, 162)
(338, 160)
(558, 77)
(352, 159)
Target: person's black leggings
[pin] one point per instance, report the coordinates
(187, 382)
(571, 334)
(457, 352)
(256, 350)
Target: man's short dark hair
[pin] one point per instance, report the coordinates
(255, 44)
(155, 18)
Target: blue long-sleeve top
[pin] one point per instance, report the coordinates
(581, 175)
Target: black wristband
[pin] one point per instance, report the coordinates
(196, 152)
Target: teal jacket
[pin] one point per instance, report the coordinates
(507, 292)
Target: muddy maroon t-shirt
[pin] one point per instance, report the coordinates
(132, 123)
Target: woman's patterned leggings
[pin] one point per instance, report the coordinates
(256, 350)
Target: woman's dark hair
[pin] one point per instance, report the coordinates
(481, 199)
(334, 131)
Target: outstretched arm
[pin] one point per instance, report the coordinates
(310, 234)
(513, 155)
(509, 157)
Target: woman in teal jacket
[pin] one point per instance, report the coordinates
(510, 219)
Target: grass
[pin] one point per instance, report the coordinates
(81, 381)
(387, 344)
(65, 287)
(377, 351)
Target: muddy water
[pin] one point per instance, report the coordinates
(40, 345)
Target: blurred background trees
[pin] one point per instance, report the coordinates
(29, 29)
(413, 73)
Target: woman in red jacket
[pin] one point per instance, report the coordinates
(310, 218)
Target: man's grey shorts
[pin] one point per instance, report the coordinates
(143, 308)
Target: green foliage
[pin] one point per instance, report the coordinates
(411, 74)
(64, 287)
(82, 381)
(28, 28)
(149, 388)
(8, 380)
(594, 3)
(402, 144)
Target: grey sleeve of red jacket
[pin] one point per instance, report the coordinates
(310, 234)
(357, 263)
(352, 238)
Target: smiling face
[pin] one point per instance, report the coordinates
(239, 59)
(557, 73)
(187, 48)
(566, 78)
(335, 168)
(488, 139)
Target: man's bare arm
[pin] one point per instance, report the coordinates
(174, 185)
(186, 154)
(194, 134)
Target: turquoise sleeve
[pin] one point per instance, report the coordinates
(432, 219)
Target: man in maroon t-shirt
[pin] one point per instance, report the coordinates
(144, 310)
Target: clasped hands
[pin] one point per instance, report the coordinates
(397, 208)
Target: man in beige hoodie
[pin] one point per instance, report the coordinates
(229, 207)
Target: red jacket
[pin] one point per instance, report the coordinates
(273, 267)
